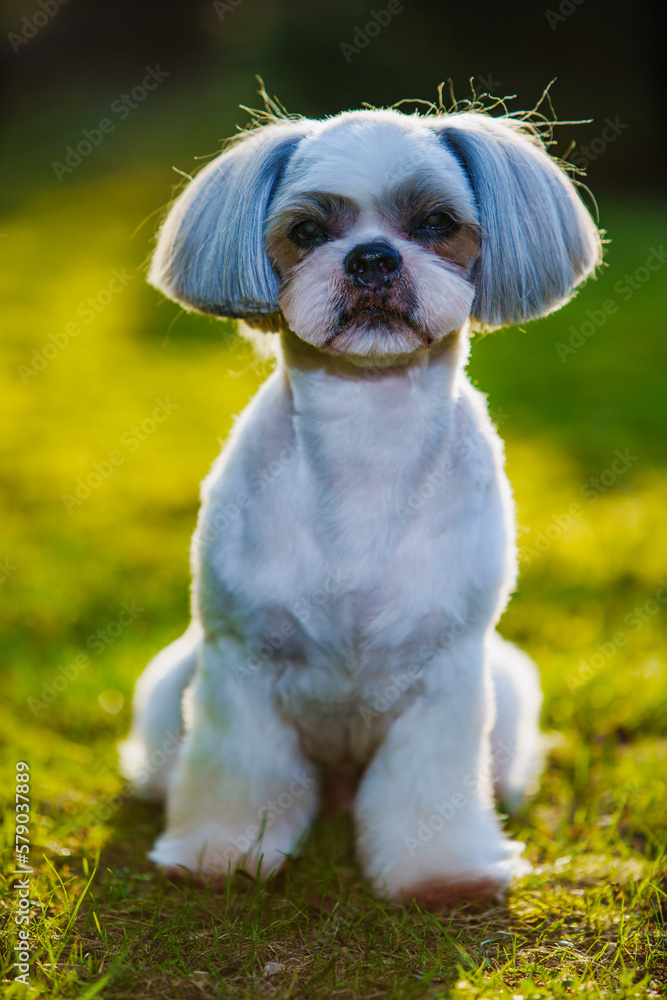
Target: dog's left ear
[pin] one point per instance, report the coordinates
(210, 254)
(538, 240)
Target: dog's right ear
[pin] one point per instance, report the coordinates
(210, 253)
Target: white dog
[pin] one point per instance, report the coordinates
(355, 546)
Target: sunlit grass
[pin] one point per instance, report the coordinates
(591, 917)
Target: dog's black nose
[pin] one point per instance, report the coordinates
(372, 264)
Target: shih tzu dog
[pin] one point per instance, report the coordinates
(355, 546)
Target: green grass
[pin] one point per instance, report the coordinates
(590, 919)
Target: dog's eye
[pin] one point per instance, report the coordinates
(307, 232)
(438, 222)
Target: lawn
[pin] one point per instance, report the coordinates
(114, 404)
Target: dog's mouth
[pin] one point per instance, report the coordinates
(374, 316)
(376, 323)
(382, 308)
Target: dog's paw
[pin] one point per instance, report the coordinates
(180, 873)
(214, 854)
(439, 880)
(445, 893)
(442, 891)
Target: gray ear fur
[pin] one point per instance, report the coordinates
(210, 254)
(538, 240)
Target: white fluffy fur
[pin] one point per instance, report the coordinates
(355, 547)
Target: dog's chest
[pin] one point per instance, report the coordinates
(357, 550)
(354, 522)
(344, 624)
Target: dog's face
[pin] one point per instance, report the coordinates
(375, 234)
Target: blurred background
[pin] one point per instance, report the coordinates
(114, 403)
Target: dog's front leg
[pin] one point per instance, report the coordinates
(242, 795)
(427, 829)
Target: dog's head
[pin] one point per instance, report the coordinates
(376, 233)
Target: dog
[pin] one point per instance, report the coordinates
(356, 546)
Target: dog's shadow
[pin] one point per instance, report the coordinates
(323, 872)
(324, 860)
(234, 927)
